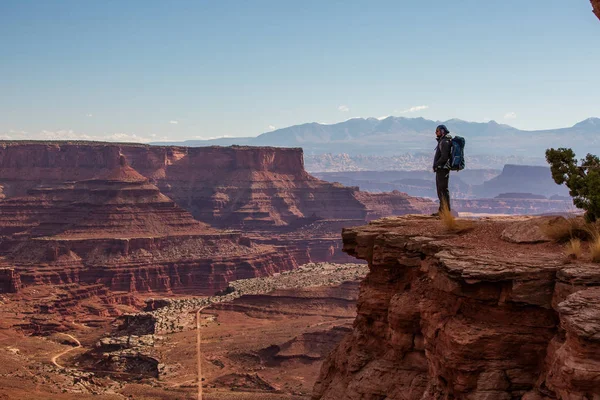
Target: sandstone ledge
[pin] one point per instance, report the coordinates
(468, 316)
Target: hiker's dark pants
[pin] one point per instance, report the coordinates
(442, 176)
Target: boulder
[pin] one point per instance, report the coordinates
(530, 230)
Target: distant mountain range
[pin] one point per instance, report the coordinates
(397, 135)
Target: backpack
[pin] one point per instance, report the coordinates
(457, 154)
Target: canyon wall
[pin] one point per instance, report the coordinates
(129, 216)
(118, 230)
(467, 316)
(243, 187)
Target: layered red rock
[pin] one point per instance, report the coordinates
(264, 191)
(465, 316)
(246, 187)
(120, 230)
(24, 165)
(254, 187)
(573, 363)
(10, 281)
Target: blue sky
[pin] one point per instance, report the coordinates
(154, 70)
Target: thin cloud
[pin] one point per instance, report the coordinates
(89, 115)
(414, 109)
(510, 115)
(174, 122)
(125, 137)
(343, 108)
(213, 137)
(69, 134)
(271, 127)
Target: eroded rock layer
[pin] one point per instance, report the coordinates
(244, 187)
(10, 281)
(446, 316)
(119, 230)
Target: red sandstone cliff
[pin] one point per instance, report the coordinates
(250, 187)
(596, 7)
(123, 215)
(120, 231)
(465, 317)
(244, 186)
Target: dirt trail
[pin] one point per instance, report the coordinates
(54, 359)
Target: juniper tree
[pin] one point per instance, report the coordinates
(582, 180)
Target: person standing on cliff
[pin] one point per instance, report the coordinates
(440, 167)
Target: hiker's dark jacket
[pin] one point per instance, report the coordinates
(442, 152)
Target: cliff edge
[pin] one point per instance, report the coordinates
(470, 316)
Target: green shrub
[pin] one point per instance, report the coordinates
(582, 180)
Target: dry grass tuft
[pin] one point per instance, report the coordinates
(452, 224)
(573, 248)
(595, 250)
(566, 229)
(594, 233)
(448, 220)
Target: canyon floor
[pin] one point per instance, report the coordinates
(263, 338)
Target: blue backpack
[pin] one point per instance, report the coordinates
(457, 154)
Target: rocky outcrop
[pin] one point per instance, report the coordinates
(10, 281)
(531, 230)
(178, 314)
(123, 357)
(444, 316)
(596, 7)
(572, 362)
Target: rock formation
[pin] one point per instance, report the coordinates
(596, 7)
(120, 214)
(244, 187)
(10, 281)
(249, 187)
(469, 316)
(119, 230)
